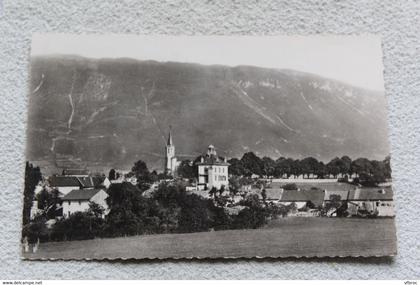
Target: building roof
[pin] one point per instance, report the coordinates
(76, 172)
(87, 182)
(274, 193)
(330, 186)
(371, 194)
(74, 181)
(98, 180)
(212, 160)
(343, 194)
(81, 195)
(169, 142)
(64, 181)
(315, 196)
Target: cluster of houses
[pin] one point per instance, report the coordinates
(310, 196)
(77, 188)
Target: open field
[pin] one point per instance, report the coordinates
(280, 238)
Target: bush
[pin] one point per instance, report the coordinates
(79, 226)
(35, 230)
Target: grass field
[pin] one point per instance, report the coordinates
(280, 238)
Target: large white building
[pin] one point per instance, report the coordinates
(212, 171)
(171, 162)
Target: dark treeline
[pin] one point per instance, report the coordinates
(370, 171)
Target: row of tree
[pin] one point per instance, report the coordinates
(251, 164)
(374, 171)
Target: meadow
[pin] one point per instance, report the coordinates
(285, 237)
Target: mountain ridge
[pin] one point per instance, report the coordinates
(110, 112)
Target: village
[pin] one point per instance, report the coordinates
(77, 189)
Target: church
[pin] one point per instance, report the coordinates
(212, 169)
(171, 162)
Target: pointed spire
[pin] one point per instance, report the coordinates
(170, 136)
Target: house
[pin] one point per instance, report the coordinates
(212, 171)
(302, 197)
(373, 201)
(78, 200)
(65, 184)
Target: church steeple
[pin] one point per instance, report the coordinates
(171, 161)
(169, 136)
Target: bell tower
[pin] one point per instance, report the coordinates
(170, 154)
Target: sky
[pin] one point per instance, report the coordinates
(356, 60)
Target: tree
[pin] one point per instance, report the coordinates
(36, 229)
(333, 203)
(253, 216)
(309, 166)
(334, 167)
(186, 169)
(213, 192)
(236, 167)
(283, 167)
(32, 177)
(264, 195)
(48, 201)
(268, 166)
(321, 170)
(128, 210)
(252, 164)
(78, 226)
(346, 165)
(361, 165)
(96, 210)
(194, 214)
(112, 174)
(141, 172)
(296, 169)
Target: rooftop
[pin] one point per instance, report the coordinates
(212, 160)
(81, 195)
(74, 181)
(371, 193)
(315, 196)
(64, 181)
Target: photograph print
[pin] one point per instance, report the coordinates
(206, 147)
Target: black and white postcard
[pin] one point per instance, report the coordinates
(206, 147)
